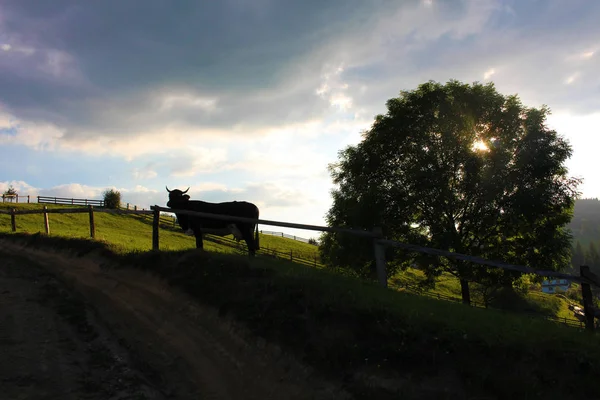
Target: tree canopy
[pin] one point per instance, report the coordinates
(457, 167)
(112, 198)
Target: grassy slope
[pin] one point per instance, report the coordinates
(132, 232)
(448, 285)
(356, 331)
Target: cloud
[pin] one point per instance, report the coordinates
(145, 84)
(532, 54)
(73, 190)
(144, 173)
(22, 188)
(202, 67)
(572, 78)
(266, 195)
(582, 132)
(488, 74)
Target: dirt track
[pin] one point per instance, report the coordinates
(142, 340)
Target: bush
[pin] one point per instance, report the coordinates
(112, 199)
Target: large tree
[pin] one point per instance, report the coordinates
(457, 167)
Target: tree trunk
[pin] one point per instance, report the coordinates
(464, 289)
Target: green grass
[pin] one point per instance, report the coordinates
(127, 232)
(352, 330)
(133, 232)
(448, 286)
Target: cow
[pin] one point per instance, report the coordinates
(198, 226)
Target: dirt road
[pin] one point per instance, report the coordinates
(72, 329)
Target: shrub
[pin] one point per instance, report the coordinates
(112, 199)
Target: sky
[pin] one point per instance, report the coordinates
(252, 99)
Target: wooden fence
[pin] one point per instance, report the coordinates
(69, 201)
(285, 235)
(586, 278)
(303, 257)
(14, 197)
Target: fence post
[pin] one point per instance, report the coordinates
(27, 199)
(92, 225)
(17, 198)
(13, 222)
(588, 302)
(379, 250)
(46, 224)
(155, 228)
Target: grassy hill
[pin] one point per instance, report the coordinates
(380, 343)
(585, 224)
(534, 302)
(127, 233)
(134, 233)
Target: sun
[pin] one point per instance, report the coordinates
(479, 145)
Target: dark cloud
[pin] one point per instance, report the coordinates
(104, 67)
(82, 65)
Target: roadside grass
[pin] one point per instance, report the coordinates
(357, 332)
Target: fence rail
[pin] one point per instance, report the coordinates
(13, 197)
(285, 235)
(69, 201)
(298, 256)
(586, 278)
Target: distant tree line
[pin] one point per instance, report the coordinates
(586, 256)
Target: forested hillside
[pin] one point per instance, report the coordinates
(585, 226)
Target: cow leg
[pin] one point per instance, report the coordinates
(247, 235)
(199, 243)
(250, 244)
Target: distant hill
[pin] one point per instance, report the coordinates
(585, 226)
(586, 222)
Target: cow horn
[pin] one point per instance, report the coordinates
(167, 189)
(185, 190)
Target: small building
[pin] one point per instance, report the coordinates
(555, 285)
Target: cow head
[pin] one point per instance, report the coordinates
(177, 196)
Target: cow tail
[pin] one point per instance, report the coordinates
(256, 236)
